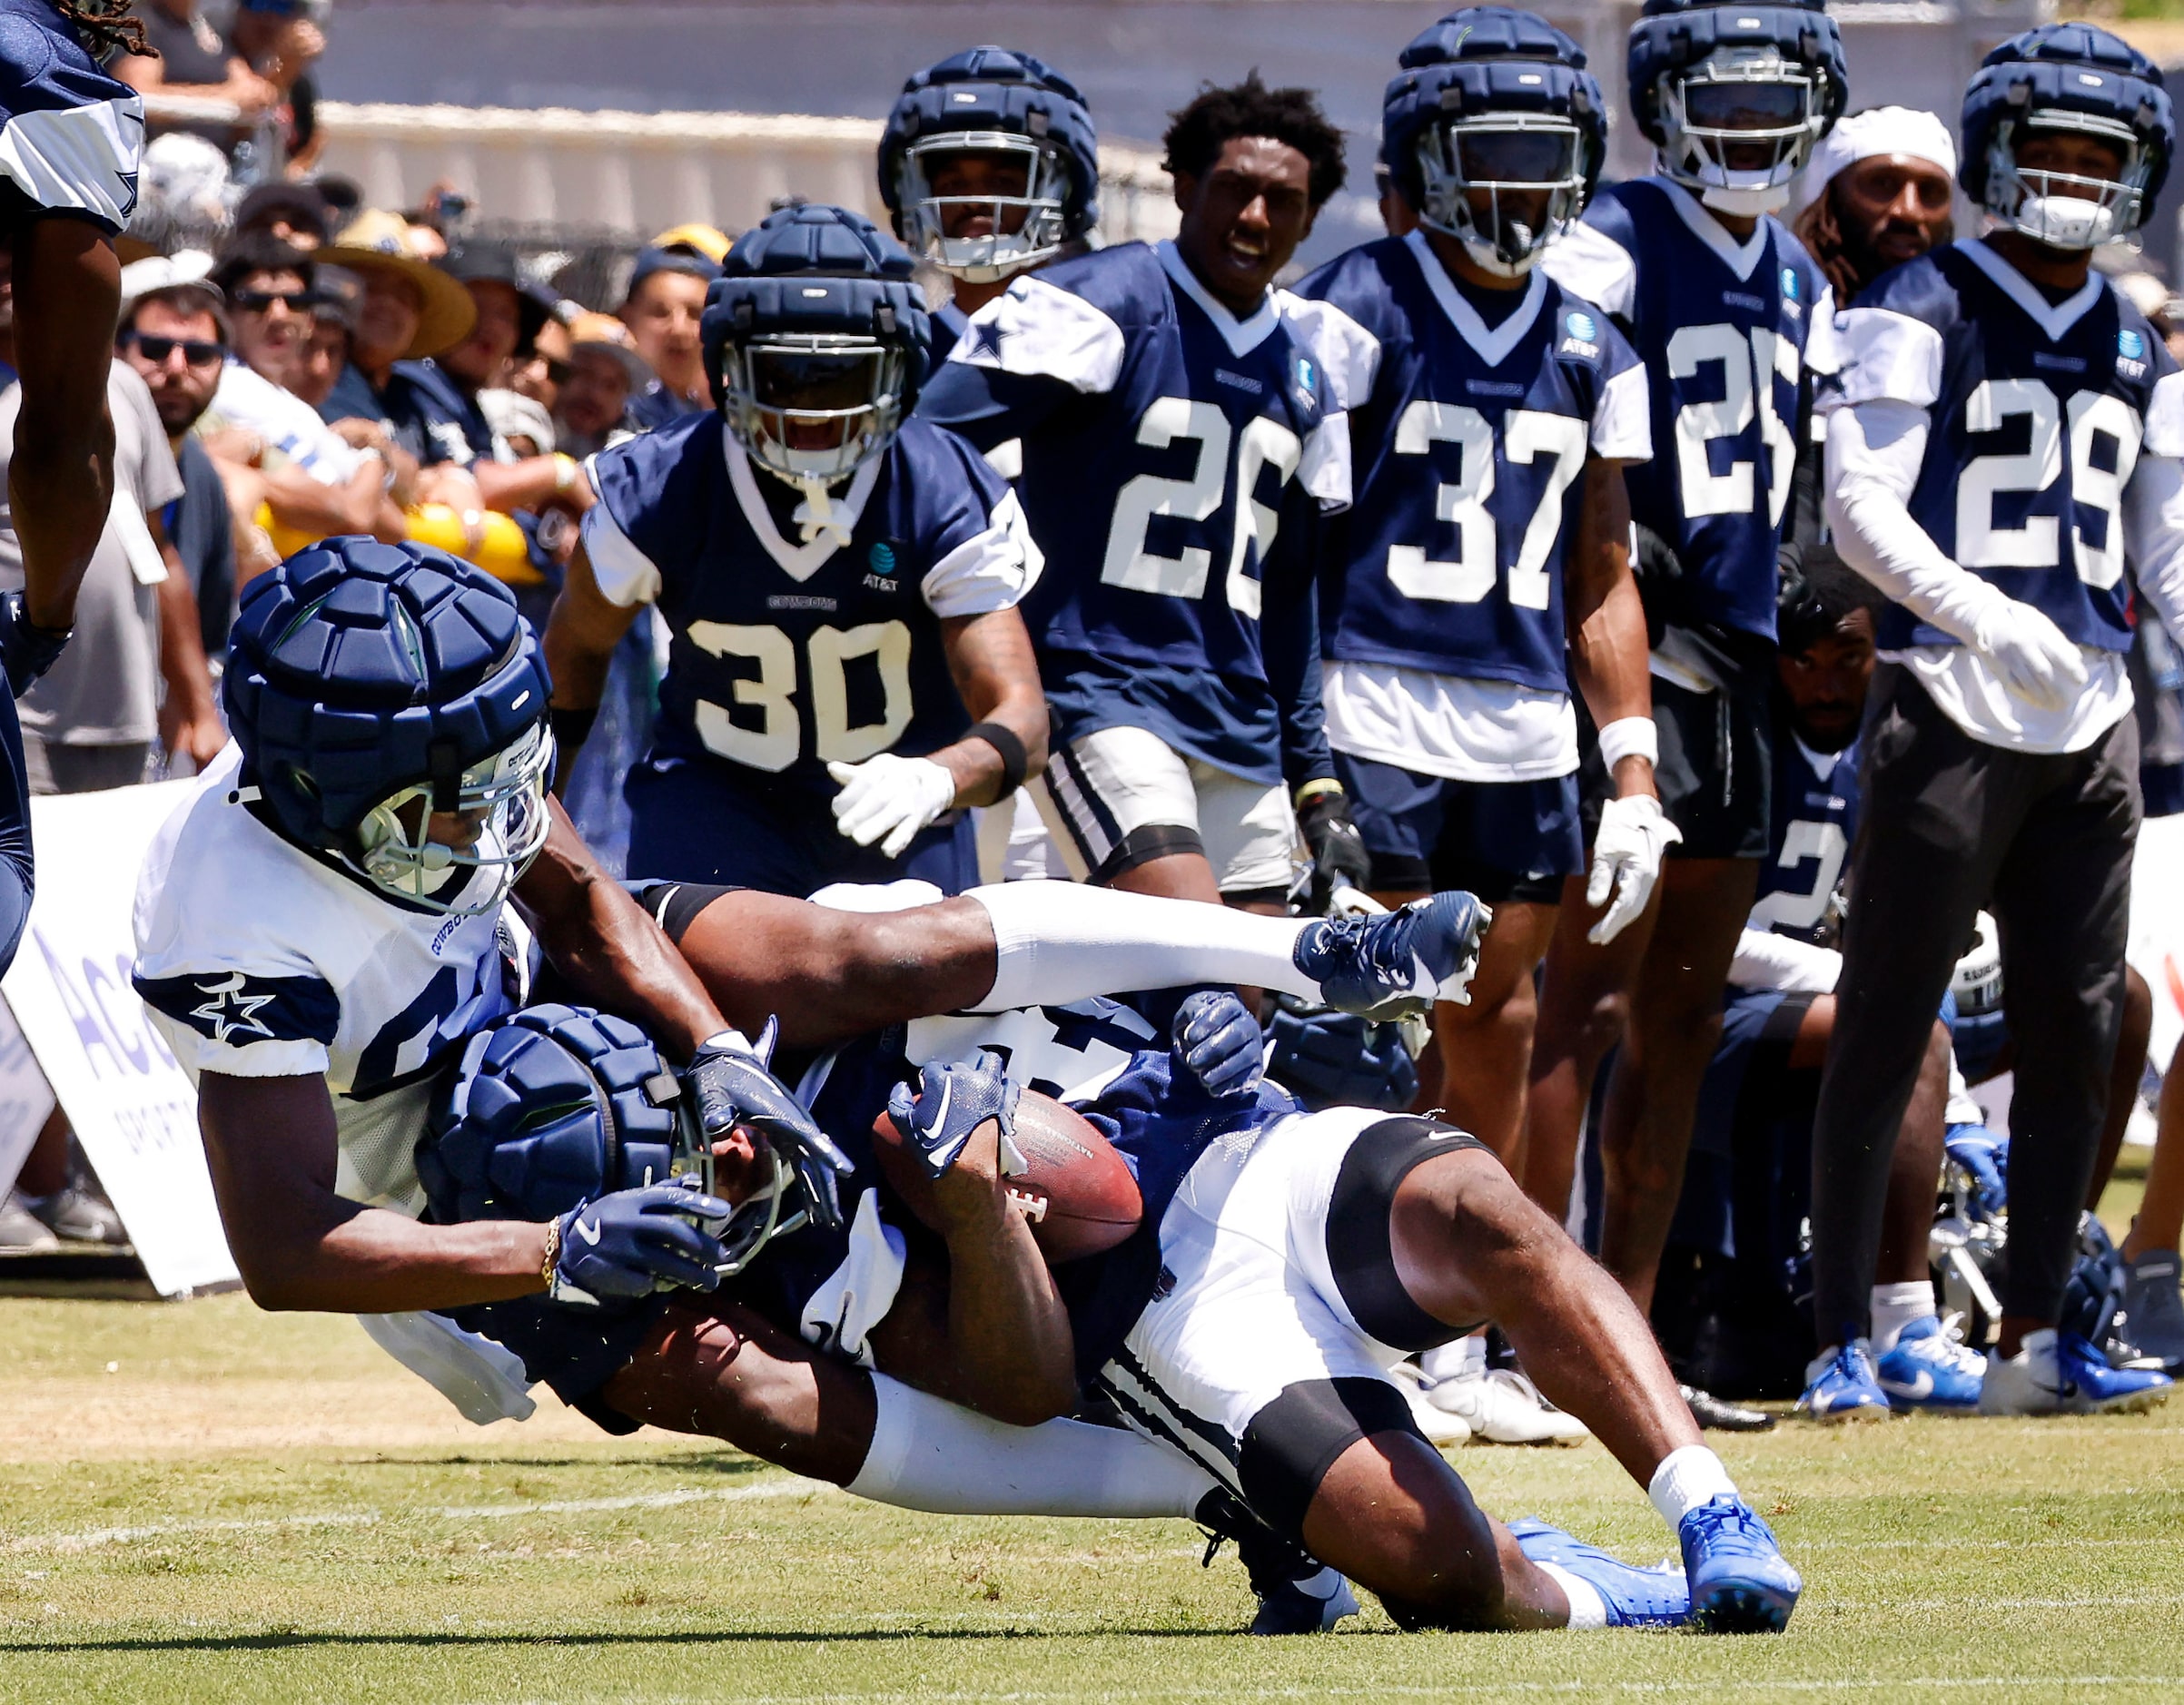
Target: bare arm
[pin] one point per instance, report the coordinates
(1606, 622)
(580, 638)
(189, 722)
(147, 74)
(360, 505)
(530, 484)
(607, 949)
(990, 656)
(270, 1145)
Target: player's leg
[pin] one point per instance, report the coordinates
(2134, 1031)
(1675, 1020)
(2150, 1295)
(1129, 814)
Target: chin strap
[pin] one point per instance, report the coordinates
(1750, 203)
(816, 514)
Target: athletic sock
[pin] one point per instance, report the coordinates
(1588, 1608)
(1060, 942)
(934, 1455)
(1895, 1306)
(1451, 1361)
(1687, 1478)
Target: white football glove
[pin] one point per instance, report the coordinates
(2035, 660)
(890, 796)
(1635, 834)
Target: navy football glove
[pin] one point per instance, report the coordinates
(632, 1242)
(730, 1086)
(1338, 1060)
(26, 650)
(1219, 1042)
(1338, 850)
(1985, 1158)
(952, 1102)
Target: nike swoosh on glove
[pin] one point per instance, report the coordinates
(2035, 660)
(952, 1101)
(729, 1085)
(889, 798)
(1219, 1042)
(631, 1243)
(1634, 835)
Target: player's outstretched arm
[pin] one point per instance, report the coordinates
(581, 637)
(609, 951)
(997, 676)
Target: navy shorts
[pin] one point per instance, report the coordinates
(699, 820)
(1498, 840)
(573, 1352)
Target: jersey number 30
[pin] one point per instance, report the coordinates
(778, 740)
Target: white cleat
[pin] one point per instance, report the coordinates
(1501, 1406)
(1440, 1426)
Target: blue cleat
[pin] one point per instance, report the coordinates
(2059, 1373)
(1844, 1387)
(1636, 1598)
(1400, 964)
(1312, 1605)
(1741, 1583)
(1931, 1367)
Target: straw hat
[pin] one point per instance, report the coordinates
(381, 241)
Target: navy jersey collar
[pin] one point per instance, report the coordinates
(2055, 319)
(799, 562)
(1493, 344)
(1739, 258)
(1241, 335)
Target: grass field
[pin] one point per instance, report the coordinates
(205, 1502)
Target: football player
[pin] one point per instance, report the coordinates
(848, 670)
(1175, 455)
(67, 187)
(2007, 429)
(990, 164)
(1724, 309)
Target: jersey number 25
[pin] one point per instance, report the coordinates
(1750, 363)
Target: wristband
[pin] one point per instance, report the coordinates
(1630, 737)
(571, 727)
(1312, 790)
(1014, 760)
(565, 471)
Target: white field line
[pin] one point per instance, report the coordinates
(451, 1513)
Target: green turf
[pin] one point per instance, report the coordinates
(1943, 1560)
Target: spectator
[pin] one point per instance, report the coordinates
(174, 333)
(193, 61)
(539, 372)
(333, 317)
(520, 422)
(314, 482)
(604, 371)
(294, 214)
(409, 309)
(666, 295)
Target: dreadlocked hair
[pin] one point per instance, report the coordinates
(1197, 133)
(107, 27)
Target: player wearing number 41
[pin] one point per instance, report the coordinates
(1175, 459)
(1484, 565)
(848, 668)
(2006, 433)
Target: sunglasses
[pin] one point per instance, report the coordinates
(262, 301)
(195, 351)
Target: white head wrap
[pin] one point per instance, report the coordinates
(1880, 130)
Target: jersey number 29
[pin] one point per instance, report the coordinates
(2037, 543)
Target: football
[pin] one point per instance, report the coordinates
(1079, 1194)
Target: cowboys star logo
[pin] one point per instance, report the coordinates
(230, 1011)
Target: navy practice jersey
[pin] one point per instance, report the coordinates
(948, 323)
(1174, 459)
(789, 654)
(1815, 796)
(2038, 411)
(1469, 445)
(1723, 328)
(70, 135)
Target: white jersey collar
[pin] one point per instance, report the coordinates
(799, 562)
(2055, 319)
(1493, 344)
(1241, 335)
(1739, 258)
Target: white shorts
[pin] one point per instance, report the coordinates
(1121, 796)
(1271, 1285)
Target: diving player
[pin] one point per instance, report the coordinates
(2008, 431)
(1727, 313)
(990, 164)
(72, 136)
(1483, 563)
(1175, 456)
(848, 669)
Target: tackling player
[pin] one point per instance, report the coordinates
(1175, 456)
(2008, 430)
(848, 668)
(991, 165)
(1722, 305)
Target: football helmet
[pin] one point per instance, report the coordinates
(817, 342)
(1495, 132)
(1734, 97)
(2067, 79)
(1021, 117)
(392, 708)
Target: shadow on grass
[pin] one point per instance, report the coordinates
(729, 1463)
(691, 1636)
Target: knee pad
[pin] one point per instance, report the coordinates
(1291, 1444)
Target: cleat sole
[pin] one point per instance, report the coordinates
(1733, 1607)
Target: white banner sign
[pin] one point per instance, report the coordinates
(134, 1110)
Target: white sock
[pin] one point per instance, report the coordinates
(1060, 942)
(1450, 1361)
(930, 1455)
(1588, 1608)
(1688, 1477)
(1895, 1306)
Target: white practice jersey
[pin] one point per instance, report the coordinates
(259, 961)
